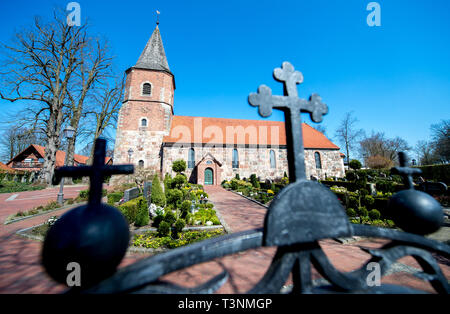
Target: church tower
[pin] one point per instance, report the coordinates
(147, 109)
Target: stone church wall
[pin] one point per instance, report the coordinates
(255, 161)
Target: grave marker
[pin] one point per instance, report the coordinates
(130, 194)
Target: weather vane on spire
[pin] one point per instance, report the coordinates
(157, 17)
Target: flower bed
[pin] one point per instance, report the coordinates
(151, 240)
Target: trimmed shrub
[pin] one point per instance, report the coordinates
(174, 197)
(368, 201)
(362, 211)
(179, 225)
(164, 229)
(130, 209)
(178, 181)
(142, 217)
(363, 193)
(158, 198)
(185, 207)
(351, 212)
(157, 220)
(353, 202)
(179, 166)
(374, 214)
(354, 164)
(188, 218)
(114, 197)
(237, 177)
(254, 181)
(215, 221)
(209, 205)
(350, 175)
(385, 186)
(167, 183)
(84, 194)
(170, 218)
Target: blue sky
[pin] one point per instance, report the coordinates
(395, 78)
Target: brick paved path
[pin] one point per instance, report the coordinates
(20, 270)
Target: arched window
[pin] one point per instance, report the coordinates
(146, 89)
(141, 163)
(191, 158)
(318, 161)
(144, 122)
(273, 163)
(235, 162)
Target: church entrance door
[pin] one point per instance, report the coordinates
(209, 176)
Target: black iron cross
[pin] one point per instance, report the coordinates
(405, 171)
(97, 172)
(292, 106)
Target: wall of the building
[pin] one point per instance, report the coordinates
(331, 160)
(256, 161)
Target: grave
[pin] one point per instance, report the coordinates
(147, 191)
(130, 194)
(433, 188)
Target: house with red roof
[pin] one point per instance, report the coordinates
(32, 159)
(150, 136)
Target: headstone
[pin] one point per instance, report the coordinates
(147, 190)
(433, 188)
(130, 194)
(373, 190)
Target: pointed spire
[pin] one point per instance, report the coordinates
(153, 57)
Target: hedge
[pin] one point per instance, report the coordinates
(114, 197)
(438, 173)
(130, 209)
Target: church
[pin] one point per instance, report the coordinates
(152, 137)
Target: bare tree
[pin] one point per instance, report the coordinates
(16, 138)
(94, 68)
(378, 145)
(426, 153)
(105, 109)
(441, 140)
(348, 134)
(38, 68)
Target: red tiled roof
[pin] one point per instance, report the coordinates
(6, 168)
(60, 156)
(238, 131)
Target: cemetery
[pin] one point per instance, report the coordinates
(167, 215)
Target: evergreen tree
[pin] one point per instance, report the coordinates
(142, 218)
(158, 197)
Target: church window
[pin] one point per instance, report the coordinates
(235, 161)
(146, 89)
(318, 161)
(273, 163)
(141, 163)
(144, 122)
(191, 158)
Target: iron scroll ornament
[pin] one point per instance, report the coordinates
(300, 215)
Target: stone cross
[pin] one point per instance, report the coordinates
(96, 173)
(405, 171)
(292, 106)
